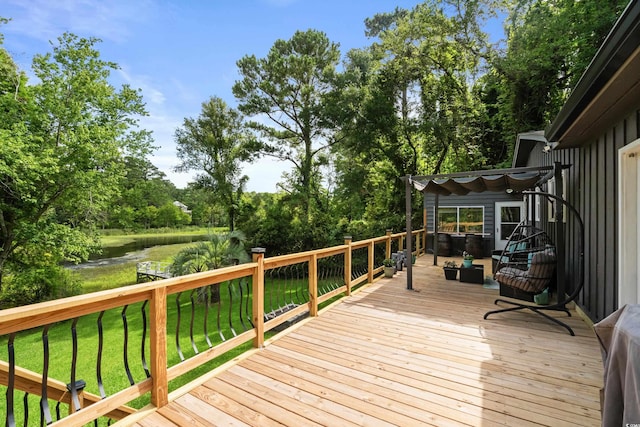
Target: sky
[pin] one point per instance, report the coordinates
(180, 53)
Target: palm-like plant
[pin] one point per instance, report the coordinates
(220, 250)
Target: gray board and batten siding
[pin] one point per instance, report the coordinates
(592, 188)
(601, 116)
(485, 199)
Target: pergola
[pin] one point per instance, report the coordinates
(495, 180)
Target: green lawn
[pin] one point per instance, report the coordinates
(109, 239)
(221, 319)
(114, 276)
(29, 346)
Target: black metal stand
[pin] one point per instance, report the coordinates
(562, 300)
(537, 310)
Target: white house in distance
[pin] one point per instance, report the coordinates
(184, 208)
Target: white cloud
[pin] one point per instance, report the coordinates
(109, 20)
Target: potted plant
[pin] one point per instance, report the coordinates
(467, 259)
(450, 270)
(389, 267)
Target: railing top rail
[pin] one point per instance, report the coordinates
(44, 313)
(282, 260)
(35, 315)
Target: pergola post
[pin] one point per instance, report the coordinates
(436, 237)
(560, 243)
(408, 185)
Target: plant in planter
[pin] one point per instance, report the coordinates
(467, 259)
(389, 267)
(450, 270)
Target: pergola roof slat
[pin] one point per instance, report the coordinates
(461, 183)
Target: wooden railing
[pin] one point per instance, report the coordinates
(244, 302)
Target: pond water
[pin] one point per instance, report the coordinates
(140, 243)
(134, 250)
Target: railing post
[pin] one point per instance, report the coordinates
(418, 235)
(347, 264)
(258, 296)
(387, 252)
(79, 388)
(424, 239)
(313, 285)
(401, 243)
(158, 347)
(370, 250)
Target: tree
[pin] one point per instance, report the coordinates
(290, 88)
(61, 155)
(170, 215)
(143, 190)
(549, 46)
(217, 144)
(414, 104)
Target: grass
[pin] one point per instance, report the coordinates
(114, 276)
(108, 239)
(29, 347)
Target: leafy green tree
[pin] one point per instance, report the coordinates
(289, 94)
(414, 104)
(170, 215)
(549, 45)
(144, 189)
(206, 209)
(217, 144)
(61, 156)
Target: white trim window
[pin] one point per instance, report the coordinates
(461, 219)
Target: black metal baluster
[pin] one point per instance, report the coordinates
(44, 402)
(244, 327)
(193, 318)
(218, 309)
(10, 420)
(322, 285)
(144, 339)
(25, 403)
(74, 360)
(178, 326)
(286, 295)
(125, 324)
(207, 295)
(58, 416)
(247, 302)
(298, 296)
(273, 275)
(99, 361)
(230, 311)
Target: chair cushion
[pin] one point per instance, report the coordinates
(535, 279)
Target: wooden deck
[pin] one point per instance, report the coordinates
(389, 356)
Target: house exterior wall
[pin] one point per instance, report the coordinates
(486, 199)
(593, 190)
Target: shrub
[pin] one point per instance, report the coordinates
(38, 284)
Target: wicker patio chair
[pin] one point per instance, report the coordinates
(529, 261)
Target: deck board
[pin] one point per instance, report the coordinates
(392, 356)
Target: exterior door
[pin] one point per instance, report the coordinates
(628, 230)
(508, 216)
